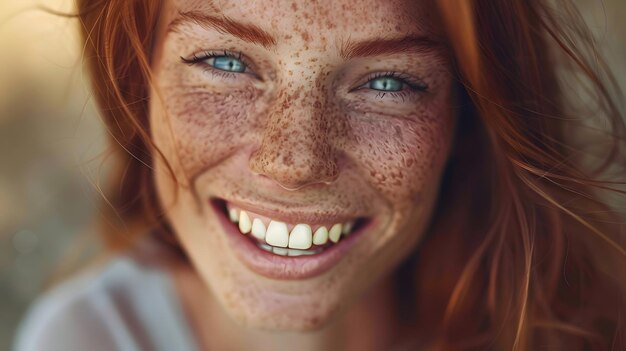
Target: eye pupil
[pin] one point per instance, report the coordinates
(230, 64)
(385, 84)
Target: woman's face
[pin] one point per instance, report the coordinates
(292, 121)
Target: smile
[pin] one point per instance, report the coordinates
(287, 239)
(292, 246)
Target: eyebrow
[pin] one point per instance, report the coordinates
(223, 24)
(254, 34)
(384, 46)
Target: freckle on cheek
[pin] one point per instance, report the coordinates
(208, 125)
(399, 156)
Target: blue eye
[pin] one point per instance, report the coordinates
(227, 63)
(385, 84)
(223, 61)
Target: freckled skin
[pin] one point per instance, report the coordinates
(299, 132)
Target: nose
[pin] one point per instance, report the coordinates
(296, 149)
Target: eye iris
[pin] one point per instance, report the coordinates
(385, 84)
(230, 64)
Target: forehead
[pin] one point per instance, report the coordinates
(318, 20)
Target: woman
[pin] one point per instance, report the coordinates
(350, 175)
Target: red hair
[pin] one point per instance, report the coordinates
(533, 247)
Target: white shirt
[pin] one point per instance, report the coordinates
(124, 306)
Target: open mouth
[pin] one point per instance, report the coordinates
(283, 238)
(288, 245)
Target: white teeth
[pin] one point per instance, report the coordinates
(277, 234)
(295, 253)
(335, 232)
(300, 237)
(244, 223)
(258, 229)
(286, 252)
(347, 228)
(232, 214)
(277, 239)
(321, 236)
(280, 251)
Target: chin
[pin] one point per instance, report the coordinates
(304, 320)
(307, 325)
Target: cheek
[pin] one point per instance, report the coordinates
(207, 126)
(402, 157)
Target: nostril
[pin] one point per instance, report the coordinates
(307, 177)
(294, 178)
(292, 171)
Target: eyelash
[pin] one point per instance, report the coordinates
(414, 86)
(201, 57)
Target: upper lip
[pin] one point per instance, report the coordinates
(293, 214)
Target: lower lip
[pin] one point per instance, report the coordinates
(279, 267)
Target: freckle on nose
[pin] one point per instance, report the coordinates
(295, 149)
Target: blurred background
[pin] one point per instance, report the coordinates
(51, 139)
